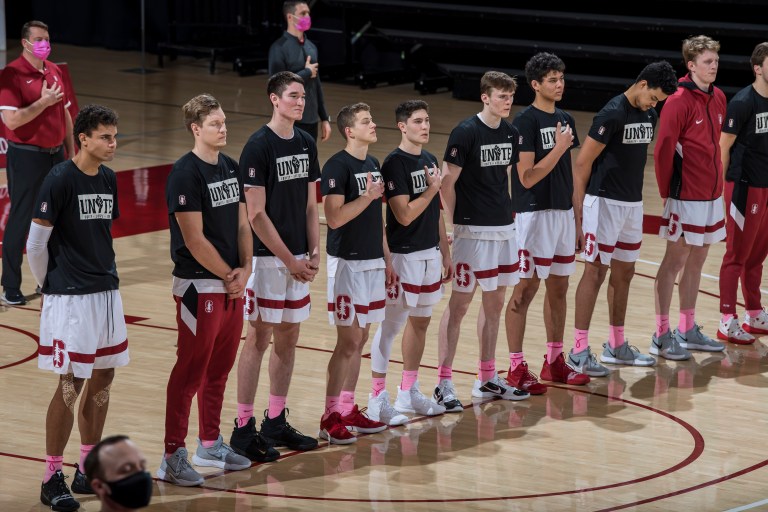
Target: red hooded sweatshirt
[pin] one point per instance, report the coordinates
(687, 152)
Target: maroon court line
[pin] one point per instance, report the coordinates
(28, 358)
(698, 449)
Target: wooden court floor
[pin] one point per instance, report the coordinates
(678, 436)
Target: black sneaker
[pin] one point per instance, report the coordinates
(246, 441)
(80, 483)
(56, 495)
(280, 433)
(14, 297)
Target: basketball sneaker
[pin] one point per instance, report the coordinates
(585, 362)
(280, 433)
(248, 442)
(80, 483)
(219, 456)
(379, 409)
(733, 332)
(414, 401)
(13, 297)
(333, 429)
(694, 339)
(668, 347)
(496, 387)
(177, 470)
(625, 354)
(445, 395)
(56, 495)
(559, 371)
(523, 378)
(357, 420)
(757, 325)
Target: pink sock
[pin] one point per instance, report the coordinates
(85, 449)
(487, 370)
(409, 377)
(244, 413)
(662, 324)
(580, 340)
(727, 317)
(53, 463)
(332, 404)
(378, 384)
(554, 349)
(754, 313)
(444, 372)
(515, 359)
(207, 444)
(347, 402)
(615, 336)
(686, 320)
(276, 405)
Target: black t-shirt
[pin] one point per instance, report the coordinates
(285, 168)
(361, 238)
(215, 191)
(404, 175)
(81, 208)
(747, 118)
(483, 153)
(626, 131)
(537, 135)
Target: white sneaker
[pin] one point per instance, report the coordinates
(445, 395)
(496, 387)
(756, 325)
(414, 401)
(379, 409)
(733, 332)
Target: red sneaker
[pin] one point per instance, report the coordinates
(522, 378)
(558, 371)
(357, 420)
(333, 429)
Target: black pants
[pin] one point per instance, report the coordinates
(310, 128)
(26, 171)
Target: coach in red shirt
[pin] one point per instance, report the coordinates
(33, 105)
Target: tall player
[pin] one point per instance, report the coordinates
(608, 207)
(475, 191)
(280, 167)
(542, 190)
(744, 153)
(352, 186)
(417, 239)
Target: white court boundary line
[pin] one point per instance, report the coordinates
(747, 507)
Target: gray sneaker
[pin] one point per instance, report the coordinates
(625, 354)
(414, 401)
(585, 362)
(220, 456)
(176, 469)
(379, 409)
(668, 347)
(694, 339)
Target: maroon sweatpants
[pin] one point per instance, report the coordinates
(745, 250)
(210, 327)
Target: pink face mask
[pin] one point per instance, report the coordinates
(40, 49)
(303, 24)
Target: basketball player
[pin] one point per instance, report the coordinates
(609, 169)
(352, 187)
(82, 326)
(417, 240)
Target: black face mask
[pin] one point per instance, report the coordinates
(133, 491)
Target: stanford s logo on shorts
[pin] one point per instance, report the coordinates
(673, 223)
(462, 275)
(58, 353)
(524, 258)
(250, 302)
(589, 244)
(393, 292)
(343, 307)
(209, 306)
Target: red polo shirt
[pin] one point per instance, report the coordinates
(20, 86)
